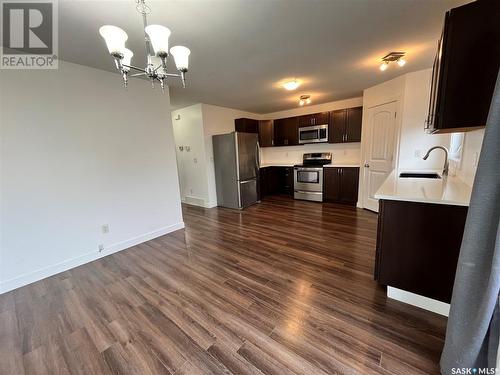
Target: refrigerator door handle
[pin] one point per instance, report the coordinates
(257, 155)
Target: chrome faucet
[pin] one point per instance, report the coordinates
(446, 164)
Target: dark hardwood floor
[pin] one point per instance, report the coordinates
(283, 287)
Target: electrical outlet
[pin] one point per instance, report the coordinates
(101, 248)
(418, 153)
(105, 229)
(195, 160)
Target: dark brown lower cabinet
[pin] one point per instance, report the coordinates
(275, 180)
(418, 246)
(340, 185)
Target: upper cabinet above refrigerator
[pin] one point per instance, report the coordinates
(465, 68)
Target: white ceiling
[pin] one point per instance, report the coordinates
(242, 49)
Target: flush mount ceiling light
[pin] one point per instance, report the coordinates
(305, 99)
(156, 39)
(291, 85)
(397, 57)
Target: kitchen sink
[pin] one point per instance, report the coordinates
(419, 175)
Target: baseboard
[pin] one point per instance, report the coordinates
(194, 201)
(65, 265)
(417, 300)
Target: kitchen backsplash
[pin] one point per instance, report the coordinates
(346, 153)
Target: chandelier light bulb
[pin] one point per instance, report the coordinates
(384, 66)
(181, 57)
(401, 62)
(308, 101)
(127, 57)
(291, 85)
(158, 35)
(114, 37)
(301, 102)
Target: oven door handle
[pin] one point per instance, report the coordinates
(308, 169)
(308, 192)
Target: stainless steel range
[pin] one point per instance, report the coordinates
(308, 176)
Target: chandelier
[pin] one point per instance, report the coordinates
(156, 39)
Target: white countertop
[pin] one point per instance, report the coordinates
(276, 165)
(340, 165)
(446, 190)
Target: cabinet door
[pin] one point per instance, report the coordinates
(353, 125)
(331, 184)
(321, 118)
(337, 126)
(349, 178)
(279, 132)
(465, 86)
(288, 188)
(306, 120)
(292, 130)
(286, 131)
(246, 125)
(262, 182)
(266, 133)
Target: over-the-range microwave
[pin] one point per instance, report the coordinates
(313, 134)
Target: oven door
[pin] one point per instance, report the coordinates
(308, 179)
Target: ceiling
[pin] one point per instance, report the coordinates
(242, 49)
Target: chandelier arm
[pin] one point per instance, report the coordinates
(172, 75)
(137, 74)
(134, 67)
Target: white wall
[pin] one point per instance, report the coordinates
(79, 151)
(412, 92)
(414, 141)
(191, 160)
(195, 128)
(348, 153)
(470, 156)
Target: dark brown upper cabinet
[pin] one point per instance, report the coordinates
(246, 125)
(266, 133)
(340, 185)
(314, 119)
(345, 125)
(286, 131)
(465, 68)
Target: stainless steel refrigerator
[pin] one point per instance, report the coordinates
(237, 162)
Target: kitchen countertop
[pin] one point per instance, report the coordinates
(338, 165)
(446, 190)
(264, 165)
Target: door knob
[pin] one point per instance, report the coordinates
(367, 165)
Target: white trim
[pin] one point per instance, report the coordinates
(417, 300)
(65, 265)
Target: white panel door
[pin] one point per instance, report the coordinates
(380, 146)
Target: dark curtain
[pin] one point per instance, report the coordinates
(473, 325)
